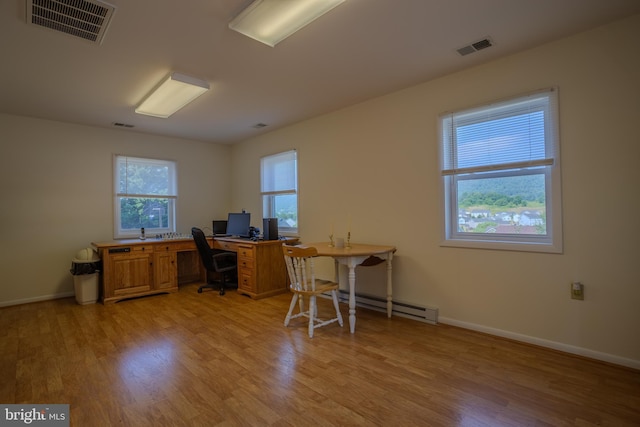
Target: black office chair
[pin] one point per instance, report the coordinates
(214, 260)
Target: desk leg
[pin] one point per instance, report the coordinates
(389, 285)
(352, 295)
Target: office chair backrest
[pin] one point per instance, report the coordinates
(204, 249)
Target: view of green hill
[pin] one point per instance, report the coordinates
(510, 191)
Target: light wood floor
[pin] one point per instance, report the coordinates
(190, 359)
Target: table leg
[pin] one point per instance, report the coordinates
(352, 295)
(389, 285)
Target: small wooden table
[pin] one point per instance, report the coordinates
(355, 255)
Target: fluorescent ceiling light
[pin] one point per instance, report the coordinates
(271, 21)
(172, 94)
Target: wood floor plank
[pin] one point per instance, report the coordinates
(204, 359)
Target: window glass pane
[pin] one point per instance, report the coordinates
(151, 213)
(285, 208)
(504, 205)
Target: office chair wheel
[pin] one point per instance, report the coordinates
(221, 291)
(199, 290)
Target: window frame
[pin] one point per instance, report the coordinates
(270, 190)
(548, 166)
(120, 193)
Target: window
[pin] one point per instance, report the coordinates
(279, 189)
(145, 195)
(501, 175)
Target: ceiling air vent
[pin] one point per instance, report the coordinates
(476, 46)
(86, 19)
(122, 125)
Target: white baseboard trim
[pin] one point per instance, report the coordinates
(36, 299)
(605, 357)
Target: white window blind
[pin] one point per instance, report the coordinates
(506, 135)
(138, 177)
(279, 173)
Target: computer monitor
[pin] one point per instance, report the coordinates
(219, 226)
(238, 224)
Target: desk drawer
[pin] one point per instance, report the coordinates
(246, 252)
(119, 250)
(226, 246)
(179, 246)
(164, 248)
(246, 262)
(246, 279)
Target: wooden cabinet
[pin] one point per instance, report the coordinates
(134, 268)
(130, 272)
(165, 273)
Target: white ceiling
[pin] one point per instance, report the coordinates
(359, 50)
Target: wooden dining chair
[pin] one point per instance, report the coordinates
(303, 284)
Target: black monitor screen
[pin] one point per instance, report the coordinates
(238, 224)
(219, 226)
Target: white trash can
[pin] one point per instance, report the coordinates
(85, 268)
(86, 288)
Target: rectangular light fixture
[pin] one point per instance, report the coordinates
(173, 93)
(271, 21)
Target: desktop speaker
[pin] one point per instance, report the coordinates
(270, 228)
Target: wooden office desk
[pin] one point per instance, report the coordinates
(133, 267)
(353, 256)
(261, 268)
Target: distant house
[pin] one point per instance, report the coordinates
(480, 213)
(531, 218)
(506, 216)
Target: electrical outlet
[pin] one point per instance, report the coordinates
(577, 291)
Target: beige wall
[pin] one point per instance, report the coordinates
(57, 191)
(377, 162)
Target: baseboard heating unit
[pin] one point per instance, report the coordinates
(410, 311)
